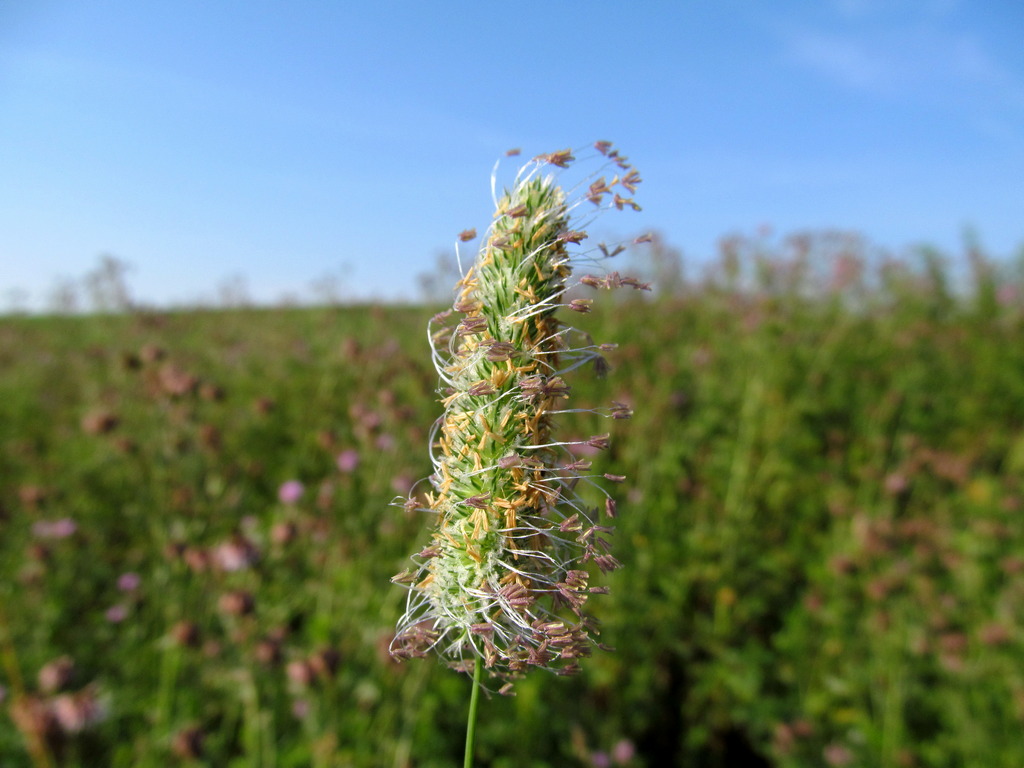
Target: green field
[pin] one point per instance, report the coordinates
(821, 532)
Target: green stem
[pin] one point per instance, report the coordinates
(474, 699)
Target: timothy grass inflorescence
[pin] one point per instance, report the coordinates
(505, 578)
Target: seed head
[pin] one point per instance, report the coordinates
(503, 578)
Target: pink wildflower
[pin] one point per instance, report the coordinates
(235, 554)
(290, 492)
(623, 751)
(128, 581)
(115, 614)
(348, 460)
(55, 529)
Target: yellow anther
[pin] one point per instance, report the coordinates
(426, 582)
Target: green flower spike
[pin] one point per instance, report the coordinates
(504, 578)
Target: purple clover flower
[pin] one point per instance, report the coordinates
(348, 460)
(55, 529)
(623, 751)
(290, 492)
(128, 581)
(115, 614)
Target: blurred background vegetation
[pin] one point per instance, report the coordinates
(821, 526)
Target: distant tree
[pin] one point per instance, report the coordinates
(233, 292)
(106, 285)
(64, 298)
(329, 288)
(15, 301)
(661, 265)
(436, 286)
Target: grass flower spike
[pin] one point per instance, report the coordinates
(505, 577)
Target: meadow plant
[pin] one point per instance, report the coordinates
(823, 543)
(504, 582)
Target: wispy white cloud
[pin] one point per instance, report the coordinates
(915, 63)
(860, 9)
(969, 62)
(850, 61)
(918, 57)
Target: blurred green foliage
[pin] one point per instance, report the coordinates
(821, 531)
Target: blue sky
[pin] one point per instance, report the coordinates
(283, 142)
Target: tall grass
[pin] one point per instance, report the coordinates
(823, 538)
